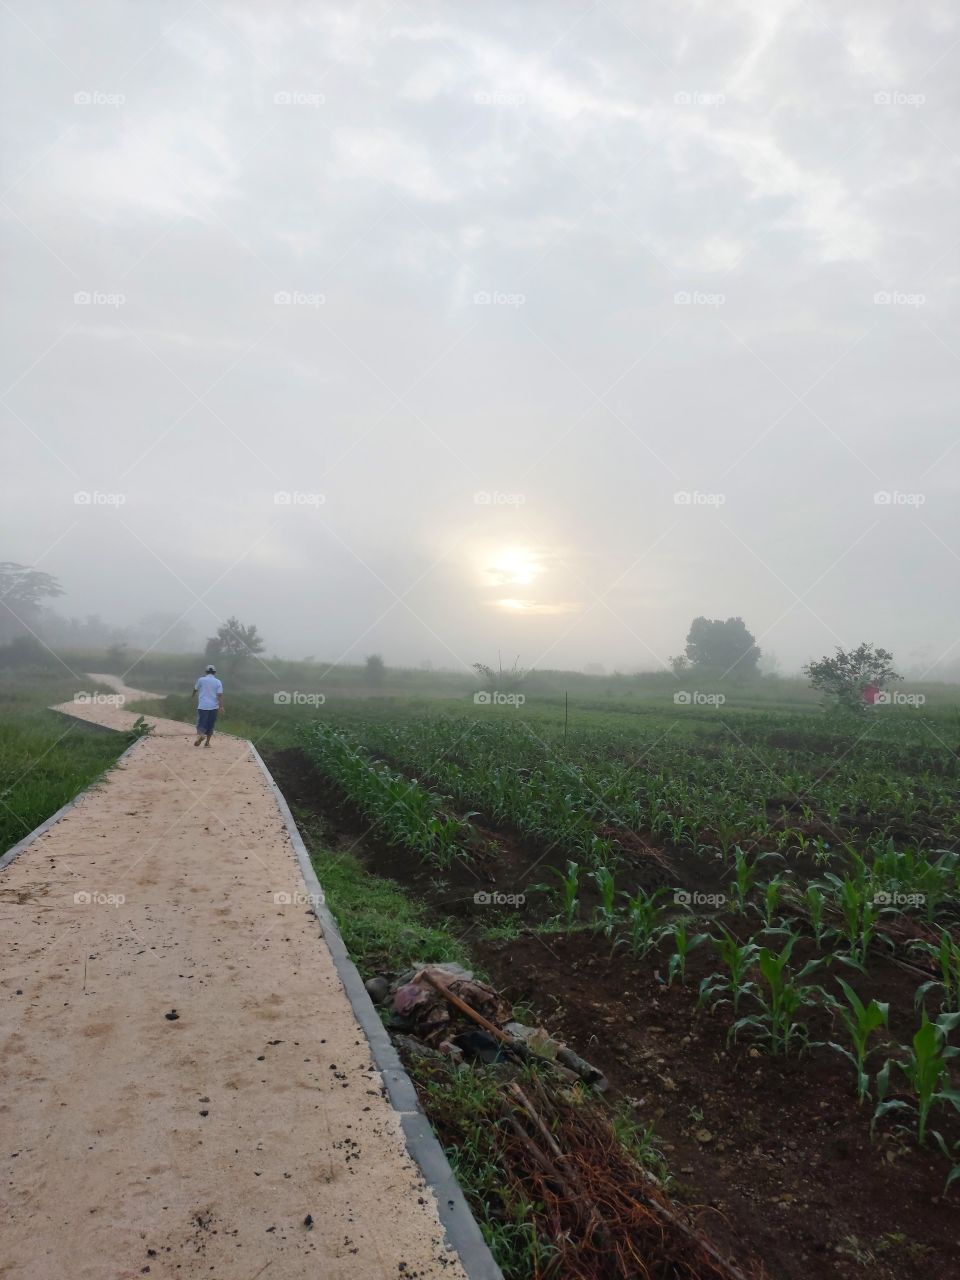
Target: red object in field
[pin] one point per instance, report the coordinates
(870, 692)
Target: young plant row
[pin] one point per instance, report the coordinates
(401, 810)
(773, 998)
(518, 774)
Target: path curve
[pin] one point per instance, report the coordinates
(249, 1136)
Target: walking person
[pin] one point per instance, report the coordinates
(209, 692)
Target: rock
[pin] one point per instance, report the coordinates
(704, 1136)
(378, 989)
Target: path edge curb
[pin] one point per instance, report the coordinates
(54, 818)
(456, 1216)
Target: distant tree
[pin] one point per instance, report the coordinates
(21, 592)
(27, 651)
(845, 676)
(373, 669)
(679, 663)
(234, 642)
(769, 664)
(164, 632)
(722, 646)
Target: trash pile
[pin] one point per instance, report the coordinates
(443, 1007)
(605, 1216)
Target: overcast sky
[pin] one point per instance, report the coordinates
(485, 291)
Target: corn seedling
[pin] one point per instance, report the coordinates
(948, 958)
(814, 901)
(783, 996)
(738, 958)
(925, 1066)
(683, 944)
(569, 892)
(605, 914)
(953, 1156)
(772, 892)
(860, 1020)
(858, 913)
(645, 924)
(744, 876)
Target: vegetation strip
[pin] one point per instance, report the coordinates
(458, 1221)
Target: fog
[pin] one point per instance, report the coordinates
(440, 329)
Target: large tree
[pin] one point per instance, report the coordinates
(722, 646)
(21, 591)
(845, 676)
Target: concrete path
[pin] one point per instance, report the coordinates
(186, 1090)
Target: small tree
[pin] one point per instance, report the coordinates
(373, 669)
(844, 676)
(500, 680)
(234, 642)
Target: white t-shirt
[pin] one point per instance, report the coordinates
(209, 688)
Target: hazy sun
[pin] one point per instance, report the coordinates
(513, 566)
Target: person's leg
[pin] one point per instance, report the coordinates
(211, 721)
(199, 737)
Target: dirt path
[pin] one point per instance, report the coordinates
(248, 1136)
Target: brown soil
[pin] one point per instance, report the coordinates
(777, 1150)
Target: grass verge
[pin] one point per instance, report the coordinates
(45, 760)
(385, 930)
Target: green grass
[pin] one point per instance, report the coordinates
(383, 927)
(45, 760)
